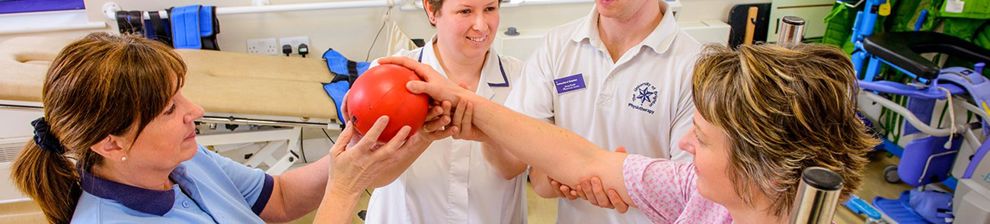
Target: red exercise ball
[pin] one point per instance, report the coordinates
(381, 91)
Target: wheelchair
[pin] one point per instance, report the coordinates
(949, 153)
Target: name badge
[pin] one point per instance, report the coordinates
(569, 83)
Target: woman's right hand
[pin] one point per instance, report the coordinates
(433, 84)
(354, 167)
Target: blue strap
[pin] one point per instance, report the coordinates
(336, 91)
(337, 63)
(156, 28)
(185, 27)
(346, 71)
(206, 21)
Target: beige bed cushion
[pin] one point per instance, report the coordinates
(23, 63)
(222, 82)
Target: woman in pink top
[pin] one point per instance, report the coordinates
(764, 113)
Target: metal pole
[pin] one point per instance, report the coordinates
(817, 196)
(791, 31)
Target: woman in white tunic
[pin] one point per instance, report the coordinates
(461, 180)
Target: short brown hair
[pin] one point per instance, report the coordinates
(98, 86)
(783, 109)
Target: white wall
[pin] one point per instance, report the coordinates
(710, 9)
(351, 30)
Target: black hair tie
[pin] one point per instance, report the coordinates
(44, 138)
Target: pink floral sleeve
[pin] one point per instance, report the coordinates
(665, 191)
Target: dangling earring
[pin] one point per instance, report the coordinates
(123, 158)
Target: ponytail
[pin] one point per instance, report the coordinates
(50, 179)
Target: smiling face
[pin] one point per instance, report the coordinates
(465, 27)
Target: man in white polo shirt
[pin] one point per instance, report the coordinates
(620, 76)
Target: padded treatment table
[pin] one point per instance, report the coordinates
(225, 84)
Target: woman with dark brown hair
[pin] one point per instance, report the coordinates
(764, 114)
(117, 144)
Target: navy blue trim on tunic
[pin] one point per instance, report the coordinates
(140, 199)
(266, 193)
(505, 79)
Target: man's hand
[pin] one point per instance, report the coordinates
(565, 191)
(592, 189)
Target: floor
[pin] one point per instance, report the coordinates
(544, 210)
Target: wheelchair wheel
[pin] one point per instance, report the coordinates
(890, 174)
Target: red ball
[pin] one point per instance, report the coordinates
(381, 91)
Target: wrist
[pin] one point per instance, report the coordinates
(468, 97)
(341, 191)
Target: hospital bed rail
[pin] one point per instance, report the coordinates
(225, 119)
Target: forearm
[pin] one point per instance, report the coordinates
(299, 190)
(541, 184)
(560, 153)
(337, 206)
(505, 164)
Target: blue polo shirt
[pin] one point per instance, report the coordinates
(209, 188)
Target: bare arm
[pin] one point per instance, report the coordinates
(337, 206)
(560, 153)
(297, 192)
(505, 164)
(541, 184)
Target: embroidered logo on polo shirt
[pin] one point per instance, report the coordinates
(644, 97)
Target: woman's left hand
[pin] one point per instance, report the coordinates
(354, 166)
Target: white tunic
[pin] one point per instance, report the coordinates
(642, 101)
(452, 182)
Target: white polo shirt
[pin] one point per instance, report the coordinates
(451, 182)
(641, 102)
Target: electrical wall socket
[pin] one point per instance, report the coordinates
(294, 42)
(265, 46)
